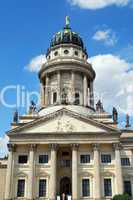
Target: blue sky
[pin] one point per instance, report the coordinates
(26, 28)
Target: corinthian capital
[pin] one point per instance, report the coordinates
(117, 146)
(53, 146)
(96, 147)
(11, 147)
(75, 146)
(32, 147)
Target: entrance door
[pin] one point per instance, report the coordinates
(65, 186)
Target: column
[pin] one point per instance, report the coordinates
(73, 87)
(118, 169)
(53, 179)
(42, 91)
(132, 186)
(91, 95)
(46, 91)
(85, 91)
(75, 171)
(31, 177)
(9, 173)
(97, 181)
(59, 87)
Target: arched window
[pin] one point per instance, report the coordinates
(77, 99)
(54, 97)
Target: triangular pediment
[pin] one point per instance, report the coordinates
(64, 121)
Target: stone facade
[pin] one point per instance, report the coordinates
(3, 168)
(67, 147)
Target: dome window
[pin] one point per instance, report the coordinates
(66, 51)
(76, 53)
(56, 53)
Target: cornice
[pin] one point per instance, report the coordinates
(74, 65)
(70, 113)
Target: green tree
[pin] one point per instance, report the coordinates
(122, 197)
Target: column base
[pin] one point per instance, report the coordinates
(7, 199)
(52, 199)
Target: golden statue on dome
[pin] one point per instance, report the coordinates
(67, 22)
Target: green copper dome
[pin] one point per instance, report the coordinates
(67, 36)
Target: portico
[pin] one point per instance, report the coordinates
(66, 169)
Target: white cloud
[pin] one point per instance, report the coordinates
(36, 63)
(3, 146)
(114, 82)
(108, 37)
(97, 4)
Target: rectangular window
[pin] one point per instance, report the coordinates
(85, 158)
(127, 188)
(22, 159)
(107, 187)
(106, 158)
(54, 97)
(85, 187)
(125, 162)
(21, 188)
(43, 159)
(42, 188)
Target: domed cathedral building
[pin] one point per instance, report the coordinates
(69, 149)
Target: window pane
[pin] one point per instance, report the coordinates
(127, 187)
(54, 97)
(43, 159)
(42, 188)
(125, 162)
(85, 158)
(21, 188)
(106, 158)
(107, 187)
(22, 159)
(77, 99)
(86, 187)
(65, 153)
